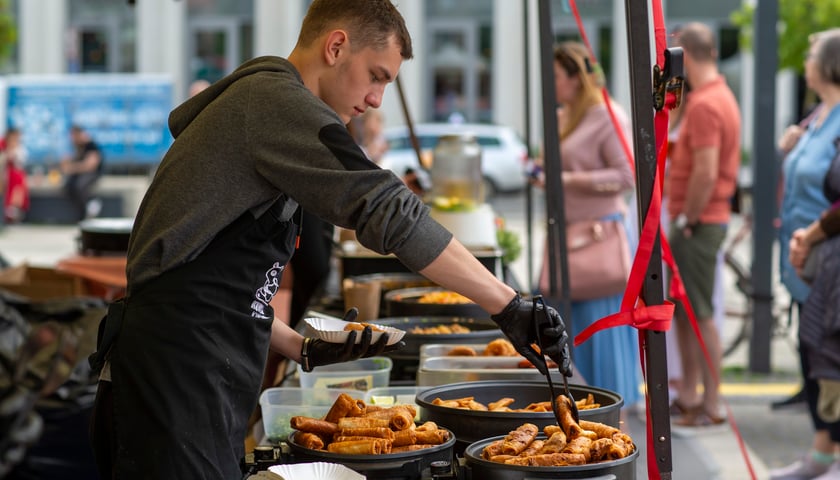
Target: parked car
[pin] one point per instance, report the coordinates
(503, 161)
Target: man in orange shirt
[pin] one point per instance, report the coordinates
(702, 181)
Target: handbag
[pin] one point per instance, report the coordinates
(598, 256)
(812, 264)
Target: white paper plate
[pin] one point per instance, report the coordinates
(315, 471)
(332, 330)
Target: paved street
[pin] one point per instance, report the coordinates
(772, 438)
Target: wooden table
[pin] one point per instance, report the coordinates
(105, 275)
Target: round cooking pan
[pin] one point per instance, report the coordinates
(471, 426)
(403, 465)
(481, 331)
(405, 302)
(392, 281)
(105, 235)
(624, 469)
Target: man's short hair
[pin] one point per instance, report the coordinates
(698, 41)
(369, 23)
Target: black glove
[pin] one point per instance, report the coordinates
(517, 322)
(316, 352)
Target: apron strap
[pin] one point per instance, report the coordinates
(109, 327)
(281, 210)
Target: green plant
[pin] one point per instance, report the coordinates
(797, 20)
(510, 245)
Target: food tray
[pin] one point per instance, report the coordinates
(444, 370)
(332, 330)
(443, 349)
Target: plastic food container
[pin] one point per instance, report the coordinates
(362, 374)
(280, 404)
(387, 396)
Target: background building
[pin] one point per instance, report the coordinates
(469, 54)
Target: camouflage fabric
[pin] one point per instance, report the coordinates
(43, 358)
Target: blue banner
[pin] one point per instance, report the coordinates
(126, 115)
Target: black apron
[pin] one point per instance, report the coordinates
(187, 364)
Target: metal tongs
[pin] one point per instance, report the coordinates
(550, 323)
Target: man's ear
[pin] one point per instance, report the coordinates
(337, 44)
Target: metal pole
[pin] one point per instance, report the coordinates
(641, 89)
(555, 211)
(415, 143)
(529, 192)
(765, 167)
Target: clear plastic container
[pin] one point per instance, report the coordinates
(280, 404)
(387, 396)
(457, 183)
(362, 374)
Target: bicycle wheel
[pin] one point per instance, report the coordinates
(737, 326)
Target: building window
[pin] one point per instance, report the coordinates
(101, 37)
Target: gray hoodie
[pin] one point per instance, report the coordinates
(250, 137)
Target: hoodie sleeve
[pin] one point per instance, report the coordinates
(300, 145)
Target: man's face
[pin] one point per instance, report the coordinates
(359, 79)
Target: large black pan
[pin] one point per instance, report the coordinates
(403, 466)
(392, 281)
(405, 301)
(480, 331)
(471, 426)
(623, 469)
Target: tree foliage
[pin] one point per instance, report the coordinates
(797, 20)
(8, 31)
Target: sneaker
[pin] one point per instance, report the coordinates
(795, 401)
(833, 472)
(806, 468)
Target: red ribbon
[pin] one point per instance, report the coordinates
(657, 317)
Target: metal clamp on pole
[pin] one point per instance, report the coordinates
(668, 82)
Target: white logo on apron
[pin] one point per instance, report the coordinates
(264, 294)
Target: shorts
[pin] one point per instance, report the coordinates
(696, 259)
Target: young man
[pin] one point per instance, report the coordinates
(186, 348)
(704, 169)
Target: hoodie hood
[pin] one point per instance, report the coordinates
(184, 114)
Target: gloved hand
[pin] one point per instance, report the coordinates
(517, 323)
(828, 403)
(316, 352)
